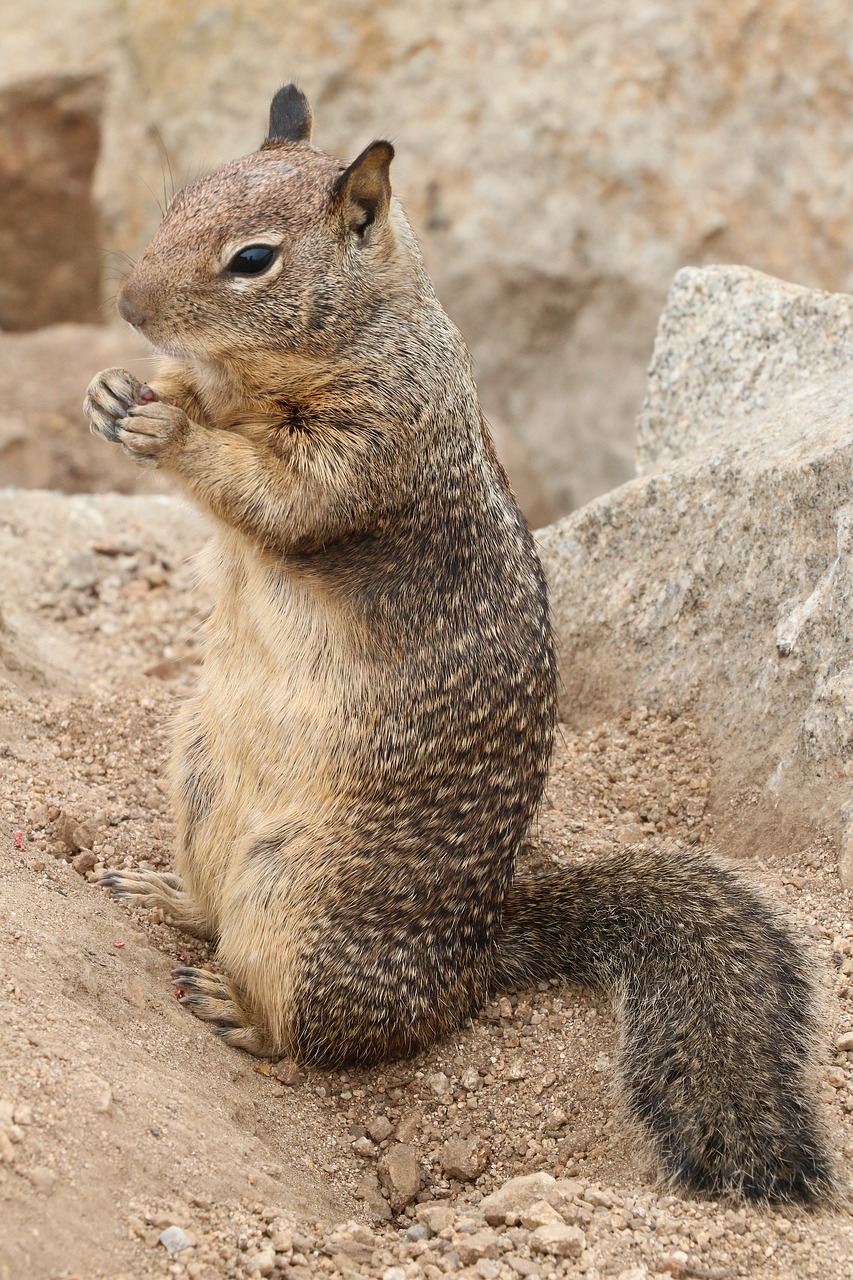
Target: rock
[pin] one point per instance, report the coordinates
(516, 1196)
(367, 1189)
(80, 572)
(437, 1217)
(522, 1266)
(84, 862)
(482, 1244)
(380, 1128)
(558, 1241)
(410, 1127)
(282, 1240)
(400, 1174)
(49, 141)
(287, 1072)
(364, 1147)
(570, 1188)
(175, 1239)
(463, 1158)
(65, 828)
(598, 1198)
(704, 378)
(540, 1214)
(438, 1084)
(261, 1263)
(353, 1240)
(724, 580)
(844, 1043)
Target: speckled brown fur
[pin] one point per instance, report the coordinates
(370, 738)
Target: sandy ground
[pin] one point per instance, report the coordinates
(121, 1117)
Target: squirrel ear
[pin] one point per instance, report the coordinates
(290, 117)
(362, 193)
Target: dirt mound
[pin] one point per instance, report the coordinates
(133, 1143)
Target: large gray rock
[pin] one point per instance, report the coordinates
(723, 580)
(775, 337)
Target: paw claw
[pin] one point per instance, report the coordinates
(180, 975)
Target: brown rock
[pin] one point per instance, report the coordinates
(400, 1174)
(68, 829)
(84, 862)
(287, 1072)
(558, 1241)
(435, 1216)
(410, 1127)
(463, 1158)
(517, 1195)
(482, 1244)
(367, 1189)
(49, 141)
(380, 1128)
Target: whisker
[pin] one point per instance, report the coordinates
(154, 197)
(119, 253)
(169, 195)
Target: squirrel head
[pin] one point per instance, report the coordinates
(285, 251)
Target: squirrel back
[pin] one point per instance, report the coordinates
(356, 774)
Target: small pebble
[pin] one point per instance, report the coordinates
(261, 1264)
(175, 1239)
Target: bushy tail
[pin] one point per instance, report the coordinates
(715, 1005)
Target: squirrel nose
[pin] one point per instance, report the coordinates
(130, 305)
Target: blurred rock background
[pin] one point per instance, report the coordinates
(560, 161)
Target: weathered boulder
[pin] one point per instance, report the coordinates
(775, 338)
(723, 579)
(49, 236)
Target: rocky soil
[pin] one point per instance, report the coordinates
(134, 1144)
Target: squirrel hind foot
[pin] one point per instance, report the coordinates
(213, 997)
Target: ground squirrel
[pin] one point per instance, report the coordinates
(370, 737)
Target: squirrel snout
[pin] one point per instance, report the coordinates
(131, 306)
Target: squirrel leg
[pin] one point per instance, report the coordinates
(715, 1010)
(160, 889)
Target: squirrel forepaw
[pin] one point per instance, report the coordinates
(127, 412)
(109, 396)
(151, 431)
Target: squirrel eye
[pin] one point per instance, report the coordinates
(252, 260)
